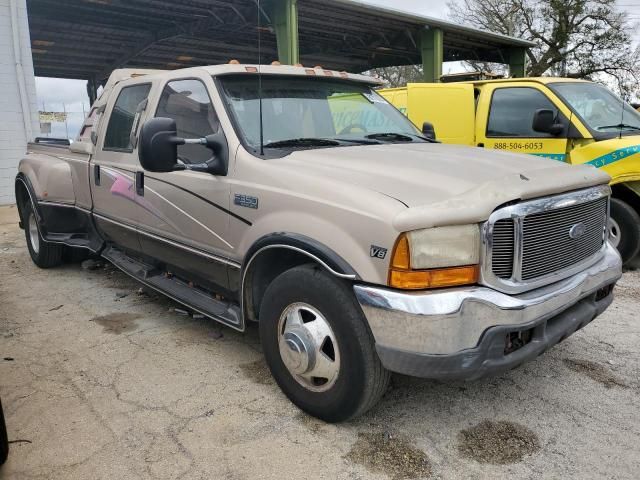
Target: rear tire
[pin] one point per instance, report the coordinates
(625, 229)
(307, 310)
(43, 254)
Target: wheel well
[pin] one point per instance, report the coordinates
(622, 192)
(263, 270)
(22, 199)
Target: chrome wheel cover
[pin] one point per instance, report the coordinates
(34, 235)
(308, 347)
(614, 232)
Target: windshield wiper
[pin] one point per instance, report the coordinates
(401, 137)
(620, 126)
(360, 141)
(303, 142)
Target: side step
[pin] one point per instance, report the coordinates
(193, 298)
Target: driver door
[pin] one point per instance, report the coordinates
(509, 115)
(190, 233)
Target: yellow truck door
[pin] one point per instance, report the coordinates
(505, 117)
(449, 107)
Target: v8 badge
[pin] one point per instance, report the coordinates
(377, 252)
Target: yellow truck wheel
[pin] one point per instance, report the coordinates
(625, 229)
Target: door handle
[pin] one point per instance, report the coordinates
(481, 145)
(96, 175)
(140, 183)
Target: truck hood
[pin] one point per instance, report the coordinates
(444, 184)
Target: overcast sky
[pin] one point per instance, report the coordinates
(56, 94)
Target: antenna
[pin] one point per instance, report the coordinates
(261, 121)
(621, 115)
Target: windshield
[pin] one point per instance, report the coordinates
(313, 112)
(598, 107)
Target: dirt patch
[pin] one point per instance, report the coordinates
(498, 443)
(391, 455)
(596, 372)
(258, 372)
(118, 323)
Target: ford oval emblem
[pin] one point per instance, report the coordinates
(577, 231)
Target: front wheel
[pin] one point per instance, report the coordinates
(318, 346)
(624, 229)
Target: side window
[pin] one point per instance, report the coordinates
(118, 136)
(512, 111)
(87, 128)
(188, 103)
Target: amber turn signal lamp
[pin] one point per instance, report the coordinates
(401, 256)
(436, 278)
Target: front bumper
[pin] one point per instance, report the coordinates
(463, 332)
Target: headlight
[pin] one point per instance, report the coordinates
(436, 257)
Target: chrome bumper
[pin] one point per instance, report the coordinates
(447, 322)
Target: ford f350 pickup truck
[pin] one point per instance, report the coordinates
(568, 120)
(300, 199)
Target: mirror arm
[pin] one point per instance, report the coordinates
(195, 167)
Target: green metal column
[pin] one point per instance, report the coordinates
(432, 48)
(517, 62)
(284, 18)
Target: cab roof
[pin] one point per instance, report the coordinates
(541, 80)
(236, 68)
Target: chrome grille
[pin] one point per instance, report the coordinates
(503, 244)
(546, 244)
(536, 242)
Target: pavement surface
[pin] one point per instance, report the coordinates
(101, 380)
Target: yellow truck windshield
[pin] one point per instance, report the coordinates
(598, 107)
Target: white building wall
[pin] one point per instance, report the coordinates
(13, 133)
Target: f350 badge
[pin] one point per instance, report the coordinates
(245, 201)
(377, 252)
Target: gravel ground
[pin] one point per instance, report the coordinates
(102, 380)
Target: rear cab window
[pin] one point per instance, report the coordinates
(126, 110)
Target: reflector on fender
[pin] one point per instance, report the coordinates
(435, 278)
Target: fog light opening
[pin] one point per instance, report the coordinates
(516, 340)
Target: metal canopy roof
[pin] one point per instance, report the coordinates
(88, 38)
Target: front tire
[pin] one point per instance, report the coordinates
(43, 254)
(625, 229)
(318, 346)
(4, 439)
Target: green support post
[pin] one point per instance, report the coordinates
(432, 48)
(517, 62)
(284, 18)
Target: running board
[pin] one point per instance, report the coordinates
(193, 298)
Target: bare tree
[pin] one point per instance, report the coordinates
(399, 76)
(574, 38)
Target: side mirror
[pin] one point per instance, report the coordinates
(429, 131)
(158, 149)
(158, 146)
(544, 121)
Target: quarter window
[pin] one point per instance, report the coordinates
(512, 111)
(188, 103)
(118, 136)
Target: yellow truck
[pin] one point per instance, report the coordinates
(567, 120)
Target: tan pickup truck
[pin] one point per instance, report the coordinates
(300, 199)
